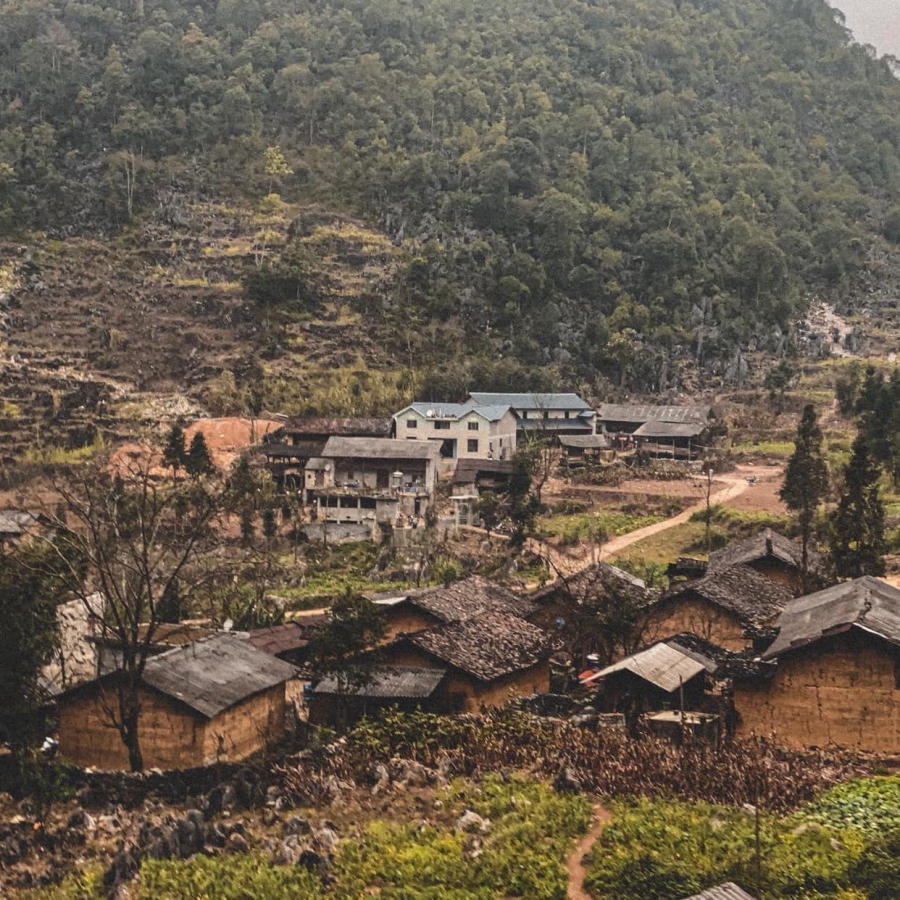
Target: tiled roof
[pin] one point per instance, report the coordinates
(530, 400)
(379, 448)
(360, 426)
(596, 579)
(635, 412)
(283, 638)
(767, 543)
(488, 646)
(215, 673)
(867, 603)
(752, 597)
(468, 598)
(387, 682)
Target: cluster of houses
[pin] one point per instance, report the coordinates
(747, 644)
(385, 470)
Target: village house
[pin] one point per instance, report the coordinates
(832, 675)
(627, 418)
(577, 448)
(543, 413)
(372, 480)
(290, 447)
(734, 608)
(414, 611)
(406, 688)
(166, 636)
(567, 606)
(489, 659)
(462, 430)
(18, 524)
(470, 478)
(775, 556)
(217, 699)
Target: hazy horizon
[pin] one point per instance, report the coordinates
(875, 22)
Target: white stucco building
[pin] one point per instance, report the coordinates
(462, 430)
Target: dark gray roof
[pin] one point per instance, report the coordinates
(383, 448)
(488, 646)
(468, 598)
(469, 470)
(752, 597)
(635, 412)
(587, 441)
(578, 424)
(867, 603)
(530, 400)
(215, 673)
(767, 543)
(656, 429)
(727, 891)
(387, 682)
(362, 426)
(596, 579)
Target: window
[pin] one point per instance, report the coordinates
(412, 423)
(567, 414)
(473, 426)
(441, 426)
(472, 446)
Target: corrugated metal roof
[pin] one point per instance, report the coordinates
(215, 673)
(579, 424)
(866, 602)
(536, 401)
(661, 665)
(387, 682)
(383, 448)
(587, 441)
(635, 412)
(727, 891)
(657, 429)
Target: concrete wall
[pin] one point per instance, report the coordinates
(840, 691)
(699, 616)
(496, 440)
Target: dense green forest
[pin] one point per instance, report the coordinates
(599, 184)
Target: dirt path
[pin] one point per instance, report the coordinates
(575, 866)
(571, 563)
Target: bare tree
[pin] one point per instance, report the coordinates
(135, 541)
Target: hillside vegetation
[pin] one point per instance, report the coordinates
(583, 187)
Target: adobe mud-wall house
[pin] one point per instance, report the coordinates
(833, 673)
(218, 699)
(415, 611)
(775, 556)
(462, 430)
(489, 659)
(731, 608)
(550, 414)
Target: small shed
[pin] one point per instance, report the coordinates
(727, 891)
(407, 688)
(218, 699)
(585, 446)
(678, 440)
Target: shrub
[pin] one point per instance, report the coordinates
(868, 805)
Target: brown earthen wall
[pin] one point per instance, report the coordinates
(246, 728)
(407, 621)
(170, 737)
(699, 616)
(781, 573)
(838, 692)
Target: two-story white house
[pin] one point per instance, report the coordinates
(463, 430)
(552, 413)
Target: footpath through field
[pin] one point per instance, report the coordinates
(567, 564)
(575, 867)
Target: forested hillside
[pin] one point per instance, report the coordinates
(599, 186)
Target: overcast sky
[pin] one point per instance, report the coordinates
(875, 22)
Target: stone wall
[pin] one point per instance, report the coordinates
(843, 691)
(76, 659)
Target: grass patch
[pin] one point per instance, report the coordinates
(64, 456)
(575, 528)
(764, 448)
(668, 545)
(10, 410)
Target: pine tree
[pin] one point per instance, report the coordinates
(806, 480)
(198, 461)
(174, 453)
(858, 543)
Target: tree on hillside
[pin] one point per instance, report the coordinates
(175, 452)
(199, 461)
(136, 543)
(806, 480)
(858, 542)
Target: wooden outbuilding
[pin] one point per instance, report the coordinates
(218, 699)
(832, 676)
(775, 556)
(489, 659)
(734, 608)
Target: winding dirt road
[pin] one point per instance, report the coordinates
(575, 866)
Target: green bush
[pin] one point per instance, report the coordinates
(869, 805)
